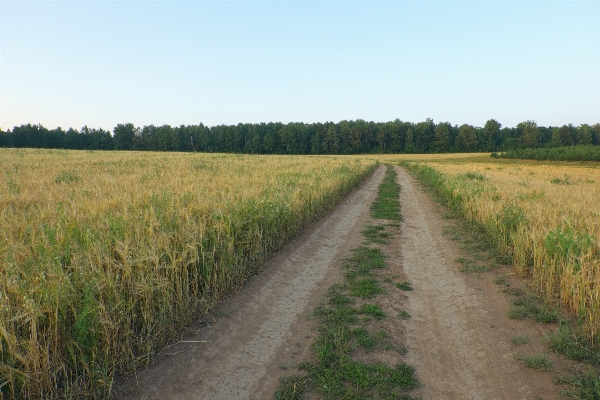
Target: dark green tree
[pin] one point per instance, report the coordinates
(530, 134)
(442, 139)
(466, 140)
(490, 135)
(123, 136)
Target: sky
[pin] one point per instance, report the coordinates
(100, 63)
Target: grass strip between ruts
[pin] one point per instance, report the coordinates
(343, 324)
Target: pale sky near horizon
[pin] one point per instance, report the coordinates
(100, 63)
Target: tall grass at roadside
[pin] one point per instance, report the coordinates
(551, 230)
(104, 256)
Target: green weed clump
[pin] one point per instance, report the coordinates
(335, 373)
(538, 362)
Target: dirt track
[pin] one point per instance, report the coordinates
(458, 338)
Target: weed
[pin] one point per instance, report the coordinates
(502, 281)
(546, 315)
(473, 176)
(290, 387)
(405, 286)
(572, 345)
(529, 307)
(67, 177)
(566, 180)
(363, 260)
(468, 265)
(373, 310)
(403, 314)
(565, 243)
(366, 288)
(584, 387)
(538, 362)
(518, 340)
(377, 234)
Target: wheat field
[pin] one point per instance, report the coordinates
(106, 255)
(547, 215)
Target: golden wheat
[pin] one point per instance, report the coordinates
(106, 255)
(549, 216)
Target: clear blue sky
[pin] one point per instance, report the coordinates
(75, 63)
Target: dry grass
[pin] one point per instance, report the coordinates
(547, 215)
(106, 255)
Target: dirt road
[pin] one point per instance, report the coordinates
(458, 338)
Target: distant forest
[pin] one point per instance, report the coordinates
(570, 153)
(345, 137)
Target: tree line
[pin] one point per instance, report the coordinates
(570, 153)
(345, 137)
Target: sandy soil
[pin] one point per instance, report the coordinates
(458, 338)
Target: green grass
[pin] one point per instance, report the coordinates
(573, 345)
(373, 310)
(502, 281)
(404, 286)
(290, 388)
(584, 387)
(387, 206)
(538, 362)
(377, 234)
(359, 274)
(468, 265)
(403, 314)
(335, 374)
(519, 340)
(366, 288)
(529, 307)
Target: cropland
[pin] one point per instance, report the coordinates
(105, 256)
(147, 275)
